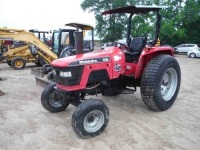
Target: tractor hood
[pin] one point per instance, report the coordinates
(87, 58)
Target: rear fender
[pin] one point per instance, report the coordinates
(148, 54)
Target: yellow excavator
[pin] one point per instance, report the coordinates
(18, 56)
(63, 42)
(20, 51)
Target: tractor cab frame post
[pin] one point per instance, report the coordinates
(158, 22)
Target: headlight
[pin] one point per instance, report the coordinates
(65, 74)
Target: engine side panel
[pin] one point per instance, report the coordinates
(118, 62)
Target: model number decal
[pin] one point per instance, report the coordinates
(6, 38)
(87, 61)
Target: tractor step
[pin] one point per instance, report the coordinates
(127, 91)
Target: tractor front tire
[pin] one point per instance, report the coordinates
(160, 82)
(90, 118)
(18, 63)
(51, 101)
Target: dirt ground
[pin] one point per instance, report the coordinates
(26, 125)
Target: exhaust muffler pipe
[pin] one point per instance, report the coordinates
(79, 42)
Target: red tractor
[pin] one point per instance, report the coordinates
(113, 71)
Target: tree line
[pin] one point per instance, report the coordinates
(180, 21)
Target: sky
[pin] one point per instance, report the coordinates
(42, 14)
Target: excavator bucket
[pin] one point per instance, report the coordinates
(41, 71)
(41, 82)
(37, 72)
(39, 75)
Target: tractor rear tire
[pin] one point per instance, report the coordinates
(160, 82)
(18, 63)
(90, 118)
(50, 101)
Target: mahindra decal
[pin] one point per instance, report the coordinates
(90, 61)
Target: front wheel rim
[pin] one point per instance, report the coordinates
(169, 84)
(93, 121)
(54, 101)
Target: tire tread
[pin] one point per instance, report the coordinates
(150, 79)
(78, 114)
(45, 100)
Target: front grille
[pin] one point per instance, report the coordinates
(98, 75)
(76, 72)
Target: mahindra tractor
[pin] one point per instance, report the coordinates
(115, 70)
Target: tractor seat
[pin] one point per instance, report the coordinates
(135, 48)
(86, 46)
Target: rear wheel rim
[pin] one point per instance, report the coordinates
(169, 84)
(93, 121)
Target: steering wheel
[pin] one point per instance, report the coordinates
(67, 52)
(121, 45)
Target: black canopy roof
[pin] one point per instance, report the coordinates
(80, 26)
(134, 9)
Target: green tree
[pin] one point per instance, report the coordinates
(109, 27)
(191, 23)
(171, 30)
(180, 22)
